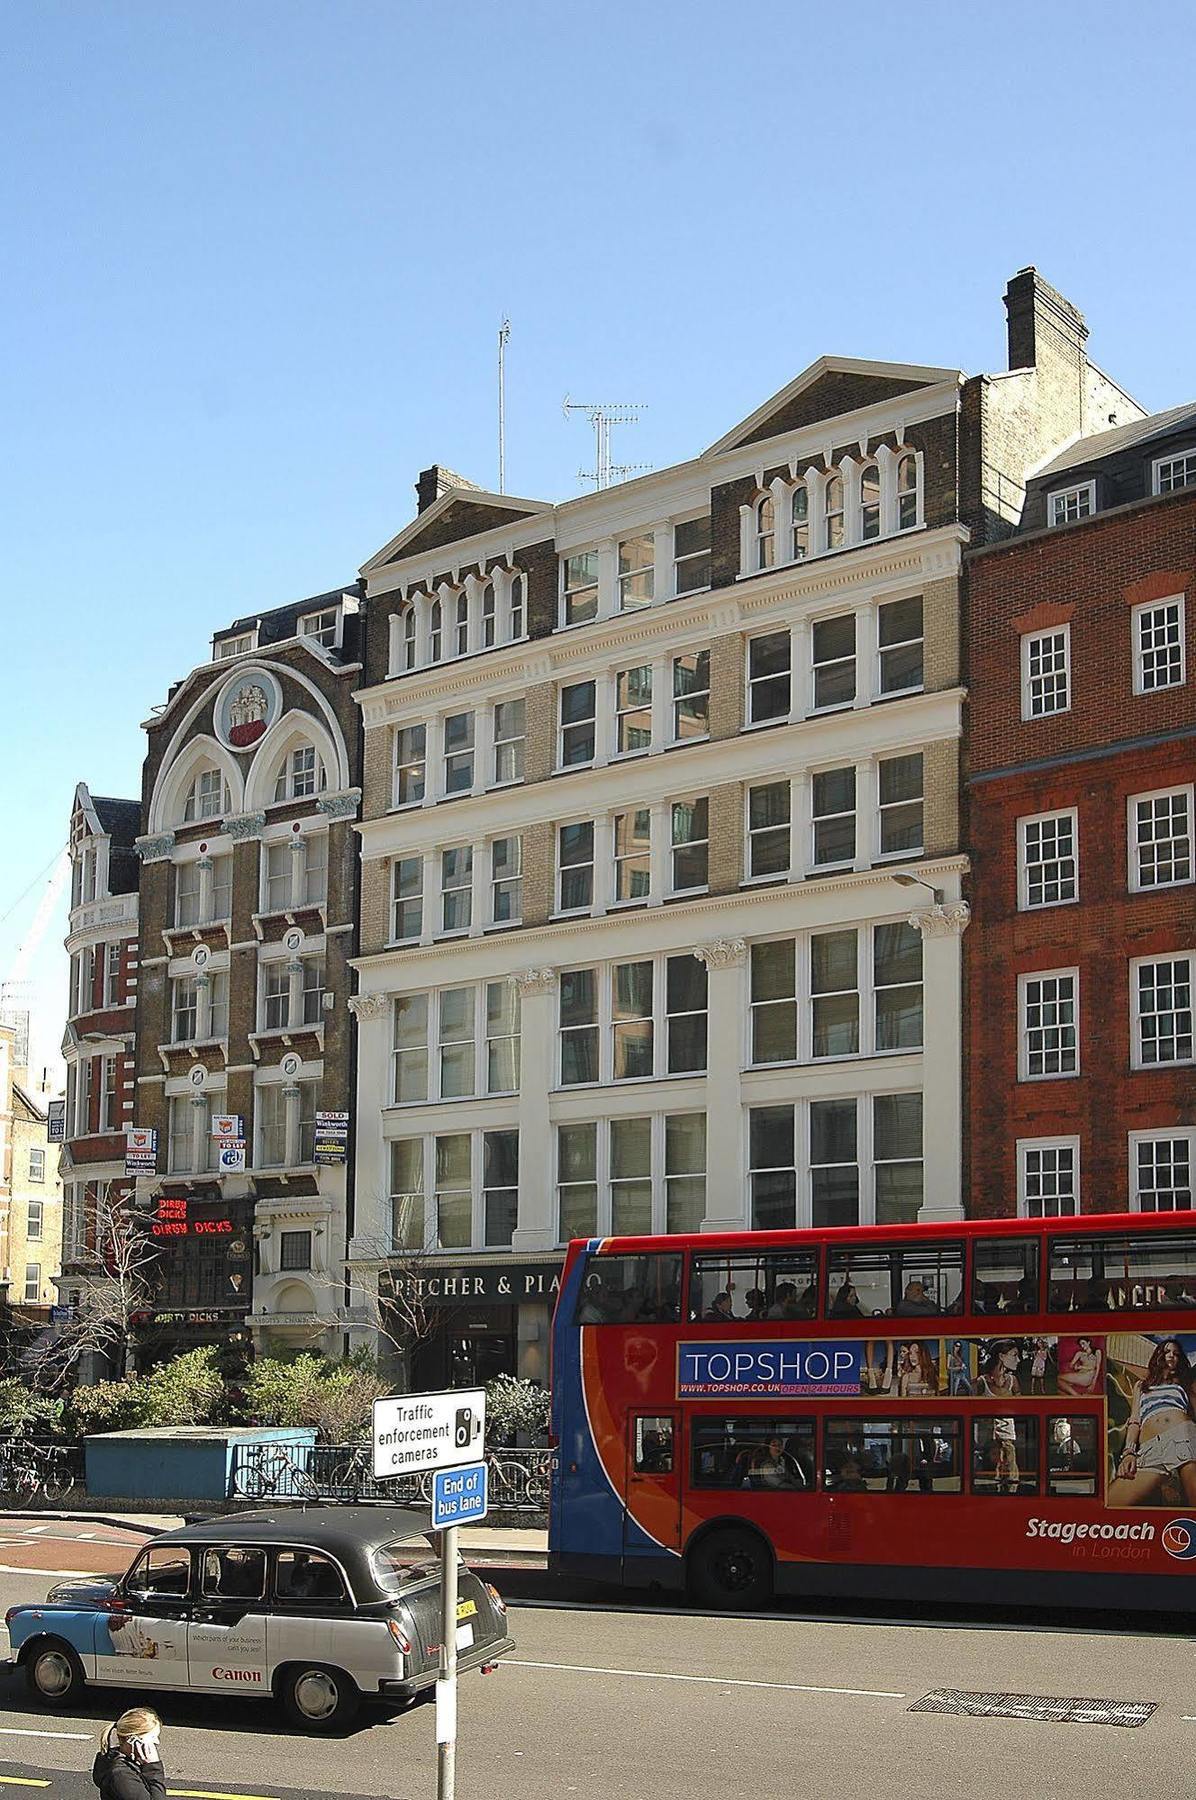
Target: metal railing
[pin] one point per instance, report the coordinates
(518, 1479)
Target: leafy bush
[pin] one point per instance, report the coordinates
(189, 1390)
(515, 1405)
(24, 1409)
(108, 1406)
(337, 1398)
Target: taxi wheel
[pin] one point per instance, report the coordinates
(54, 1674)
(731, 1568)
(317, 1697)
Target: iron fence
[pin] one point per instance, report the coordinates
(517, 1479)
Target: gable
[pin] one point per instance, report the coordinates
(829, 389)
(460, 519)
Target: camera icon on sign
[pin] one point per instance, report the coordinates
(467, 1428)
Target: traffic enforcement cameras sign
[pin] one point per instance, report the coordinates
(417, 1432)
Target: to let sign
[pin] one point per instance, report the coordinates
(458, 1496)
(414, 1432)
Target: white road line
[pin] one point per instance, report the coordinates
(24, 1569)
(24, 1731)
(787, 1687)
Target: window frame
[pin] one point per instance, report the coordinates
(803, 1168)
(1133, 860)
(1169, 1134)
(1023, 1028)
(604, 1179)
(1080, 491)
(425, 1216)
(603, 1025)
(1056, 1142)
(434, 1044)
(1138, 615)
(1186, 454)
(691, 556)
(567, 592)
(1028, 639)
(335, 613)
(1024, 821)
(1137, 963)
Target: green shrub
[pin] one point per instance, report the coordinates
(515, 1405)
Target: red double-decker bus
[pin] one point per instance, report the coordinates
(985, 1410)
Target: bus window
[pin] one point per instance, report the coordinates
(753, 1286)
(751, 1452)
(892, 1456)
(653, 1453)
(1005, 1276)
(631, 1290)
(922, 1281)
(1150, 1273)
(1005, 1455)
(1071, 1454)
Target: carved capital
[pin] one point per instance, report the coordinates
(722, 953)
(368, 1006)
(245, 825)
(340, 806)
(949, 920)
(155, 849)
(533, 981)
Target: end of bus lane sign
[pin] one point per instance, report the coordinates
(459, 1496)
(417, 1432)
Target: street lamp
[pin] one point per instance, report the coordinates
(916, 881)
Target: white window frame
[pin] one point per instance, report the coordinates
(657, 1177)
(1029, 638)
(1024, 902)
(565, 623)
(1060, 500)
(1137, 963)
(37, 1165)
(311, 1076)
(498, 743)
(406, 900)
(224, 649)
(575, 912)
(604, 1024)
(1023, 1057)
(600, 687)
(495, 881)
(1133, 866)
(299, 872)
(1048, 1143)
(461, 887)
(297, 969)
(865, 1162)
(675, 699)
(1186, 455)
(308, 620)
(1175, 1134)
(690, 556)
(434, 1046)
(803, 998)
(35, 1222)
(693, 800)
(750, 680)
(425, 1198)
(33, 1281)
(414, 762)
(1138, 617)
(624, 712)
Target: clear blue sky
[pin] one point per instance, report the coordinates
(256, 256)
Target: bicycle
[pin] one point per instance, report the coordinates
(29, 1470)
(353, 1472)
(269, 1472)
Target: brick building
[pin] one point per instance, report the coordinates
(248, 902)
(1081, 757)
(662, 884)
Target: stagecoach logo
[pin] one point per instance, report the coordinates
(766, 1369)
(1179, 1539)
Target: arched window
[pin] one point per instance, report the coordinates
(207, 797)
(907, 491)
(801, 521)
(407, 639)
(461, 634)
(766, 532)
(489, 616)
(516, 606)
(869, 502)
(302, 774)
(435, 633)
(832, 510)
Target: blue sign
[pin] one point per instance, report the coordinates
(459, 1496)
(765, 1371)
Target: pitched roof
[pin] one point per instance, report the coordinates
(488, 510)
(1121, 437)
(120, 819)
(779, 413)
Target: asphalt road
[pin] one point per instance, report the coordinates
(611, 1702)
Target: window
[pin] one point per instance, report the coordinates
(410, 1048)
(755, 1285)
(1160, 848)
(1045, 673)
(502, 1037)
(629, 1290)
(1066, 505)
(907, 491)
(1005, 1276)
(799, 518)
(500, 1187)
(833, 793)
(899, 645)
(579, 1026)
(773, 1178)
(108, 1085)
(1161, 1171)
(765, 532)
(897, 986)
(303, 1576)
(768, 677)
(1123, 1274)
(322, 626)
(311, 990)
(753, 1452)
(633, 711)
(207, 798)
(691, 696)
(164, 1571)
(1071, 1454)
(834, 1163)
(906, 1282)
(1048, 1177)
(577, 1186)
(1173, 472)
(407, 629)
(1047, 865)
(458, 753)
(222, 888)
(516, 604)
(774, 1001)
(301, 774)
(407, 1193)
(581, 587)
(190, 1150)
(900, 797)
(456, 888)
(407, 899)
(1005, 1454)
(185, 1009)
(112, 975)
(186, 895)
(690, 844)
(456, 1021)
(869, 502)
(489, 616)
(1049, 1040)
(834, 993)
(1158, 645)
(636, 572)
(691, 555)
(509, 732)
(270, 1106)
(685, 1169)
(411, 764)
(628, 1021)
(37, 1167)
(294, 1250)
(506, 881)
(652, 1452)
(575, 867)
(632, 1021)
(36, 1213)
(435, 631)
(460, 608)
(768, 830)
(685, 1018)
(832, 511)
(227, 648)
(276, 996)
(631, 1177)
(632, 839)
(897, 1158)
(577, 723)
(833, 651)
(843, 1188)
(892, 1456)
(1162, 1011)
(234, 1574)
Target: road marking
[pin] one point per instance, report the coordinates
(787, 1687)
(209, 1794)
(24, 1569)
(22, 1781)
(24, 1731)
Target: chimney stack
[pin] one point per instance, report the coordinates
(1043, 326)
(436, 481)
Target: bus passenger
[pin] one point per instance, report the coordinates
(916, 1300)
(1160, 1438)
(771, 1466)
(719, 1310)
(757, 1304)
(846, 1303)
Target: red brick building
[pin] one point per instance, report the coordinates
(1081, 756)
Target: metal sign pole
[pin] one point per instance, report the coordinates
(446, 1686)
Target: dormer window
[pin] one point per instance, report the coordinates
(1066, 505)
(832, 510)
(301, 775)
(907, 491)
(1174, 472)
(766, 532)
(324, 626)
(800, 518)
(208, 798)
(869, 502)
(226, 648)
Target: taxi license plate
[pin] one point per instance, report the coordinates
(466, 1609)
(464, 1636)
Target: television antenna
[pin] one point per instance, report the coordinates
(602, 414)
(504, 338)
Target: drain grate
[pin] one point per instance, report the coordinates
(1036, 1706)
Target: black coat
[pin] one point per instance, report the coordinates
(118, 1777)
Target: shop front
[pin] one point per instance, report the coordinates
(200, 1278)
(461, 1324)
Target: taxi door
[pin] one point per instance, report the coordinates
(226, 1643)
(142, 1640)
(653, 1482)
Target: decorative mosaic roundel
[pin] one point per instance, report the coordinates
(246, 707)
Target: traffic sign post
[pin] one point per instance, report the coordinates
(441, 1433)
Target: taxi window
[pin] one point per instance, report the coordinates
(301, 1575)
(395, 1567)
(162, 1570)
(234, 1573)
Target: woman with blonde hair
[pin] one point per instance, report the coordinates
(128, 1764)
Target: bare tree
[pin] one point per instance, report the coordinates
(388, 1285)
(117, 1282)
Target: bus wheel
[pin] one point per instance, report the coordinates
(731, 1568)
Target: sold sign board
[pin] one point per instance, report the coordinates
(416, 1432)
(762, 1370)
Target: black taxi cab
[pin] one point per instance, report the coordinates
(321, 1608)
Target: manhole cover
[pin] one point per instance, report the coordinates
(1036, 1706)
